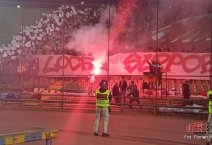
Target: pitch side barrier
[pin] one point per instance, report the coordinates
(61, 104)
(168, 101)
(156, 106)
(29, 136)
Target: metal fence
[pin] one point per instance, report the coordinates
(31, 29)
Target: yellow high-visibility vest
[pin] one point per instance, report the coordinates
(210, 101)
(102, 99)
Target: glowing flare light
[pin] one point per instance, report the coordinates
(97, 66)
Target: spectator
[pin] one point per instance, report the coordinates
(131, 86)
(134, 96)
(186, 93)
(115, 92)
(155, 69)
(152, 72)
(123, 88)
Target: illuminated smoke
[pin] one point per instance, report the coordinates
(92, 40)
(97, 65)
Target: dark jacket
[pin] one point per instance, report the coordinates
(123, 86)
(131, 87)
(134, 93)
(154, 67)
(115, 90)
(186, 91)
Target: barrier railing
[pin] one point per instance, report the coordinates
(59, 104)
(29, 136)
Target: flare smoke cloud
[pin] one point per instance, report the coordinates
(92, 40)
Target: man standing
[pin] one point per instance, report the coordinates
(186, 93)
(103, 98)
(209, 96)
(115, 92)
(155, 69)
(123, 88)
(158, 73)
(152, 72)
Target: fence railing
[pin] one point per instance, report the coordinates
(29, 136)
(65, 104)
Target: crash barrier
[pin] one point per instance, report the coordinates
(14, 95)
(64, 105)
(29, 136)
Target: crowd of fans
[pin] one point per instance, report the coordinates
(52, 32)
(13, 69)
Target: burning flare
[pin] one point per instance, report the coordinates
(97, 66)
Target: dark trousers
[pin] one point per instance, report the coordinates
(123, 93)
(159, 78)
(117, 98)
(134, 99)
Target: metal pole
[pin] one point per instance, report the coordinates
(22, 44)
(108, 48)
(48, 142)
(211, 55)
(63, 84)
(166, 85)
(157, 51)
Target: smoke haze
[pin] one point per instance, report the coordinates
(92, 40)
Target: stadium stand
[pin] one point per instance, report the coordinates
(48, 31)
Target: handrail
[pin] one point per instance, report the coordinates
(62, 102)
(29, 136)
(74, 101)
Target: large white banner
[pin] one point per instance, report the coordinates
(181, 64)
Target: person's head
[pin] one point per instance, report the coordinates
(132, 82)
(103, 84)
(116, 84)
(122, 78)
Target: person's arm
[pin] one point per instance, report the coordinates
(110, 97)
(148, 62)
(130, 93)
(113, 89)
(128, 87)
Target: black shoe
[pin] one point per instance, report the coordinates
(95, 134)
(105, 135)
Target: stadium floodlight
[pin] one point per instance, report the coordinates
(18, 6)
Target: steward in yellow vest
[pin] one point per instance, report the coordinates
(103, 98)
(209, 95)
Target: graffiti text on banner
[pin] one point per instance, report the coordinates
(192, 64)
